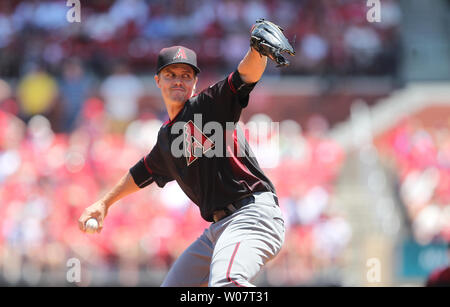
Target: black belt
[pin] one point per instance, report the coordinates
(231, 208)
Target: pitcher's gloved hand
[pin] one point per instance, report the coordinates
(268, 39)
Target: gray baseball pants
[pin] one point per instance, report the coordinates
(233, 250)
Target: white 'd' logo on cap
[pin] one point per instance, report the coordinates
(180, 54)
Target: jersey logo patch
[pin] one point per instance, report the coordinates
(196, 143)
(180, 54)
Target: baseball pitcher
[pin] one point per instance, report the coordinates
(229, 187)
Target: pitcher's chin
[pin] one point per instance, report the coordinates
(179, 97)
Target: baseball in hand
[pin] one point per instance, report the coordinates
(91, 225)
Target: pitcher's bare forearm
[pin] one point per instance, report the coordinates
(99, 209)
(124, 187)
(252, 66)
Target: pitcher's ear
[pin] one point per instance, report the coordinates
(156, 77)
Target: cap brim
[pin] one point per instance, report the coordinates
(195, 68)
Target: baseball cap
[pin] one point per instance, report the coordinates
(177, 54)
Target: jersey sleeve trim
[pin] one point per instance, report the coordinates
(240, 88)
(230, 83)
(146, 166)
(140, 174)
(237, 85)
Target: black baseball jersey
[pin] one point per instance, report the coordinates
(214, 169)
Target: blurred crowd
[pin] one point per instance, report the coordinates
(330, 37)
(48, 178)
(421, 156)
(318, 234)
(75, 115)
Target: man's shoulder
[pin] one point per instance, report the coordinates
(199, 101)
(213, 86)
